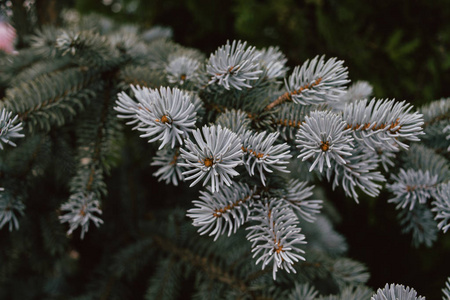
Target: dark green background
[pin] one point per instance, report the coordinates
(401, 47)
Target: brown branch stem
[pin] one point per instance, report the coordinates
(100, 130)
(286, 97)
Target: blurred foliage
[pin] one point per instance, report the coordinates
(401, 47)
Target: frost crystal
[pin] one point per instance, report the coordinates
(234, 65)
(80, 212)
(324, 138)
(213, 155)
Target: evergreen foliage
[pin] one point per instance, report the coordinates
(228, 121)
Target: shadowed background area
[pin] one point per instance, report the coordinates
(401, 47)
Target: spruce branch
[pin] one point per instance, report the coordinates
(10, 208)
(324, 138)
(226, 210)
(127, 107)
(94, 161)
(182, 69)
(28, 160)
(138, 75)
(420, 223)
(8, 129)
(297, 194)
(166, 114)
(358, 172)
(385, 154)
(234, 65)
(169, 161)
(436, 118)
(315, 82)
(359, 90)
(396, 291)
(447, 130)
(423, 157)
(446, 290)
(97, 138)
(323, 238)
(233, 128)
(349, 272)
(51, 98)
(237, 121)
(15, 64)
(205, 264)
(436, 112)
(382, 122)
(129, 45)
(411, 187)
(214, 155)
(161, 51)
(276, 237)
(157, 33)
(303, 292)
(43, 41)
(441, 206)
(39, 68)
(261, 152)
(80, 211)
(166, 283)
(88, 48)
(273, 63)
(289, 118)
(129, 260)
(352, 293)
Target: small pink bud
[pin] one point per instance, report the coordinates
(7, 37)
